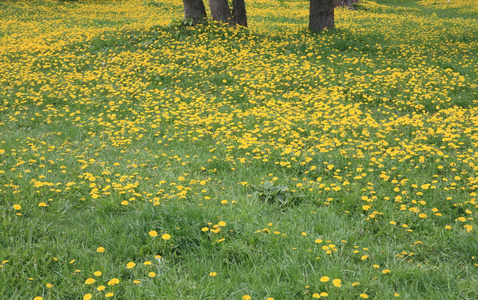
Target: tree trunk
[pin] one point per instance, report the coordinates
(195, 10)
(220, 11)
(239, 12)
(321, 15)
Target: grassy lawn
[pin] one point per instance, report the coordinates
(142, 159)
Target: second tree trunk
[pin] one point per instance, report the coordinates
(220, 11)
(321, 15)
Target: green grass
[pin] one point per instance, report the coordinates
(320, 152)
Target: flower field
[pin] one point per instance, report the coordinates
(144, 159)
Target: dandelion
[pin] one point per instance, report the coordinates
(337, 282)
(364, 296)
(97, 273)
(222, 223)
(101, 288)
(87, 297)
(246, 297)
(212, 274)
(316, 295)
(166, 237)
(90, 281)
(324, 279)
(100, 250)
(153, 233)
(130, 265)
(113, 281)
(152, 274)
(109, 295)
(17, 207)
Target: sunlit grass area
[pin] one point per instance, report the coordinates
(144, 159)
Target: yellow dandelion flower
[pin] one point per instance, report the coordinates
(324, 279)
(166, 237)
(337, 282)
(87, 297)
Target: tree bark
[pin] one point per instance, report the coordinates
(220, 11)
(239, 12)
(321, 15)
(195, 10)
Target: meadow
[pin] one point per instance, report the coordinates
(144, 159)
